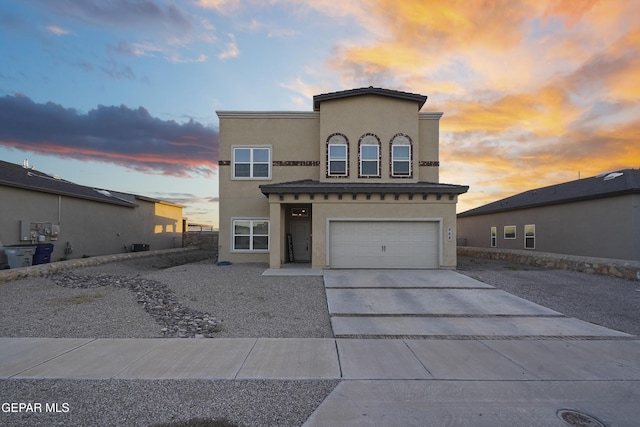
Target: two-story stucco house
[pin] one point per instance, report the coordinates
(352, 184)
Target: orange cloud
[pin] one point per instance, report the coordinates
(571, 10)
(444, 24)
(544, 114)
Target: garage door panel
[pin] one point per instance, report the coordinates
(384, 244)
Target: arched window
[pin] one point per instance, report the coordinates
(401, 156)
(337, 155)
(369, 155)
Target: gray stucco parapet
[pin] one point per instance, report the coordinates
(53, 267)
(624, 269)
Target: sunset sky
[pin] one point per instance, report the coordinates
(122, 94)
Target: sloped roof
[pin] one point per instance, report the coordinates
(317, 187)
(608, 184)
(28, 178)
(420, 99)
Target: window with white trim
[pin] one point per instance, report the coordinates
(251, 235)
(337, 156)
(369, 156)
(509, 231)
(494, 237)
(252, 162)
(401, 156)
(530, 236)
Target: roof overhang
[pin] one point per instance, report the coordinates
(312, 187)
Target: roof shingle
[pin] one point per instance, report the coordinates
(618, 183)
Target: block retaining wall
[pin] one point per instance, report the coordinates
(610, 267)
(53, 267)
(207, 240)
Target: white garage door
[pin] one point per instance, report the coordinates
(384, 244)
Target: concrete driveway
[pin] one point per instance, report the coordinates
(439, 304)
(440, 348)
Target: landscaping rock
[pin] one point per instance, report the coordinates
(156, 298)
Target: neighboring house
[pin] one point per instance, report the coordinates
(352, 184)
(78, 220)
(596, 217)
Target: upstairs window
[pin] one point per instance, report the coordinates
(252, 162)
(337, 156)
(401, 156)
(369, 156)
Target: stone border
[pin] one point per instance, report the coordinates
(623, 269)
(54, 267)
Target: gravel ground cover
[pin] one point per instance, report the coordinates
(98, 302)
(602, 300)
(165, 403)
(105, 301)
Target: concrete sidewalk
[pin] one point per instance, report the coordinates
(454, 351)
(320, 358)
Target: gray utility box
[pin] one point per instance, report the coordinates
(19, 256)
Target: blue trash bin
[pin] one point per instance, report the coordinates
(43, 254)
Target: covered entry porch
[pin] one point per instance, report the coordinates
(362, 225)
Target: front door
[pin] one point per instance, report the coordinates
(300, 231)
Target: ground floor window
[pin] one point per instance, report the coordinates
(250, 235)
(509, 231)
(530, 236)
(494, 237)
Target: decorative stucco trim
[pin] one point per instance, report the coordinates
(296, 163)
(430, 116)
(280, 163)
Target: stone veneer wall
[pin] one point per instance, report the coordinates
(207, 240)
(612, 267)
(54, 267)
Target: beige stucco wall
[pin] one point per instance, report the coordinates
(429, 125)
(360, 115)
(292, 137)
(92, 228)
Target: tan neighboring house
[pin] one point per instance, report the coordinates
(594, 217)
(352, 184)
(37, 208)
